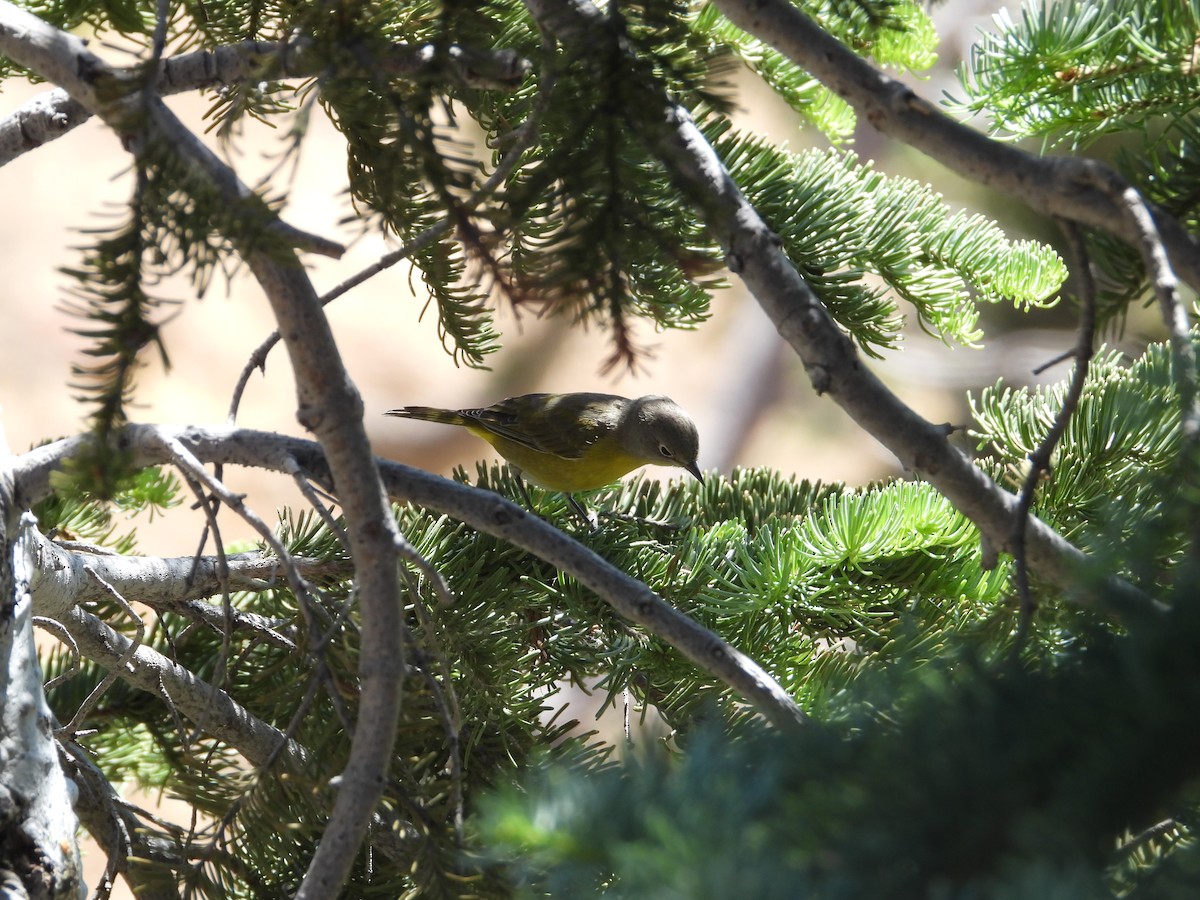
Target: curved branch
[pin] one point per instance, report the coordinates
(329, 405)
(1056, 186)
(1039, 459)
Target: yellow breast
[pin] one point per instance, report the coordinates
(602, 463)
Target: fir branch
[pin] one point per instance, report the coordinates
(112, 299)
(800, 91)
(1069, 72)
(1123, 442)
(482, 510)
(1054, 186)
(846, 227)
(403, 172)
(599, 233)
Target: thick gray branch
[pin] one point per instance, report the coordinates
(170, 584)
(329, 405)
(148, 670)
(37, 822)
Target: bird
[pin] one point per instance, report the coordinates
(578, 441)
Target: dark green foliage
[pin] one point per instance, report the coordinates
(595, 227)
(982, 782)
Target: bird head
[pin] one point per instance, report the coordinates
(657, 430)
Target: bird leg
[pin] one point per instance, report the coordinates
(589, 518)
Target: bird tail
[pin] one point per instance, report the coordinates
(430, 414)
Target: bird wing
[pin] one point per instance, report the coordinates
(564, 425)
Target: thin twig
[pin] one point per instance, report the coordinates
(298, 478)
(211, 506)
(192, 468)
(114, 671)
(1054, 361)
(524, 137)
(1150, 244)
(65, 637)
(1039, 459)
(258, 357)
(410, 554)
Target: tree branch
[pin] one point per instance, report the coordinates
(132, 852)
(171, 584)
(329, 405)
(1056, 186)
(49, 116)
(114, 95)
(148, 670)
(40, 856)
(483, 510)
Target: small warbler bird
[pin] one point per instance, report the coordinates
(577, 442)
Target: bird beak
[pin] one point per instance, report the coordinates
(694, 468)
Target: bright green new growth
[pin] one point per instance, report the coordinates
(864, 241)
(1070, 72)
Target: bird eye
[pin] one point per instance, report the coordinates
(665, 451)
